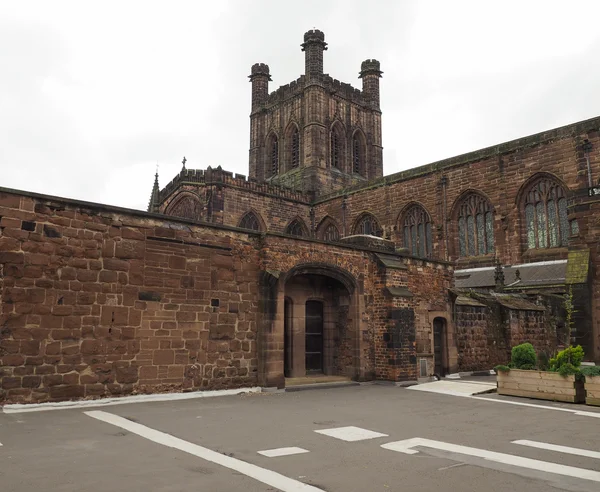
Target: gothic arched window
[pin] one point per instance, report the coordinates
(416, 228)
(336, 147)
(475, 226)
(186, 207)
(358, 154)
(546, 219)
(296, 228)
(331, 233)
(274, 155)
(295, 147)
(250, 221)
(368, 225)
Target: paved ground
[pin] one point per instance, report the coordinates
(213, 444)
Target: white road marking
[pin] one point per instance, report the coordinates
(274, 453)
(121, 400)
(557, 447)
(507, 459)
(544, 407)
(263, 475)
(351, 433)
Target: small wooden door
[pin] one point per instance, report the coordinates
(314, 336)
(438, 345)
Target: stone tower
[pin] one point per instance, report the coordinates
(316, 134)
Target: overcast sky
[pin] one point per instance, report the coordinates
(94, 94)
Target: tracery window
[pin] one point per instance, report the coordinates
(336, 149)
(368, 225)
(250, 221)
(296, 228)
(475, 226)
(331, 233)
(546, 219)
(295, 148)
(417, 232)
(187, 207)
(358, 154)
(274, 155)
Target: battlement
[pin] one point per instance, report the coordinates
(314, 35)
(210, 176)
(342, 89)
(260, 69)
(370, 67)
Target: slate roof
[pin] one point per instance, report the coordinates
(531, 275)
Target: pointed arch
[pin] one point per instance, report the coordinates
(359, 153)
(292, 146)
(253, 221)
(415, 224)
(367, 224)
(473, 214)
(328, 230)
(272, 154)
(337, 146)
(297, 227)
(543, 206)
(186, 205)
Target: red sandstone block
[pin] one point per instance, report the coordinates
(163, 357)
(45, 369)
(115, 264)
(11, 257)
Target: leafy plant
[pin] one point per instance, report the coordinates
(590, 371)
(527, 367)
(523, 355)
(569, 369)
(501, 368)
(569, 311)
(570, 355)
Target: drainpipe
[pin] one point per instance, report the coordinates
(587, 146)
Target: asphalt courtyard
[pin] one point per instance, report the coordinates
(358, 438)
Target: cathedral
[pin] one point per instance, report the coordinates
(313, 264)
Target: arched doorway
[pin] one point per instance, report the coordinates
(319, 323)
(439, 346)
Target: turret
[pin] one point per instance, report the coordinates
(370, 74)
(260, 77)
(313, 47)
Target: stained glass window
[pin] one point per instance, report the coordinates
(295, 148)
(368, 225)
(274, 156)
(417, 232)
(187, 207)
(335, 148)
(358, 154)
(546, 220)
(475, 226)
(331, 233)
(250, 221)
(296, 228)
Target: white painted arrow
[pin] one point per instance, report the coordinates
(407, 446)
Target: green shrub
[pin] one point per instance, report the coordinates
(501, 368)
(570, 355)
(523, 355)
(590, 371)
(568, 369)
(527, 367)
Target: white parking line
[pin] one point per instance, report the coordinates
(351, 433)
(406, 446)
(274, 453)
(557, 447)
(263, 475)
(581, 413)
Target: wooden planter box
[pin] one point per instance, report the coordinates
(542, 385)
(592, 390)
